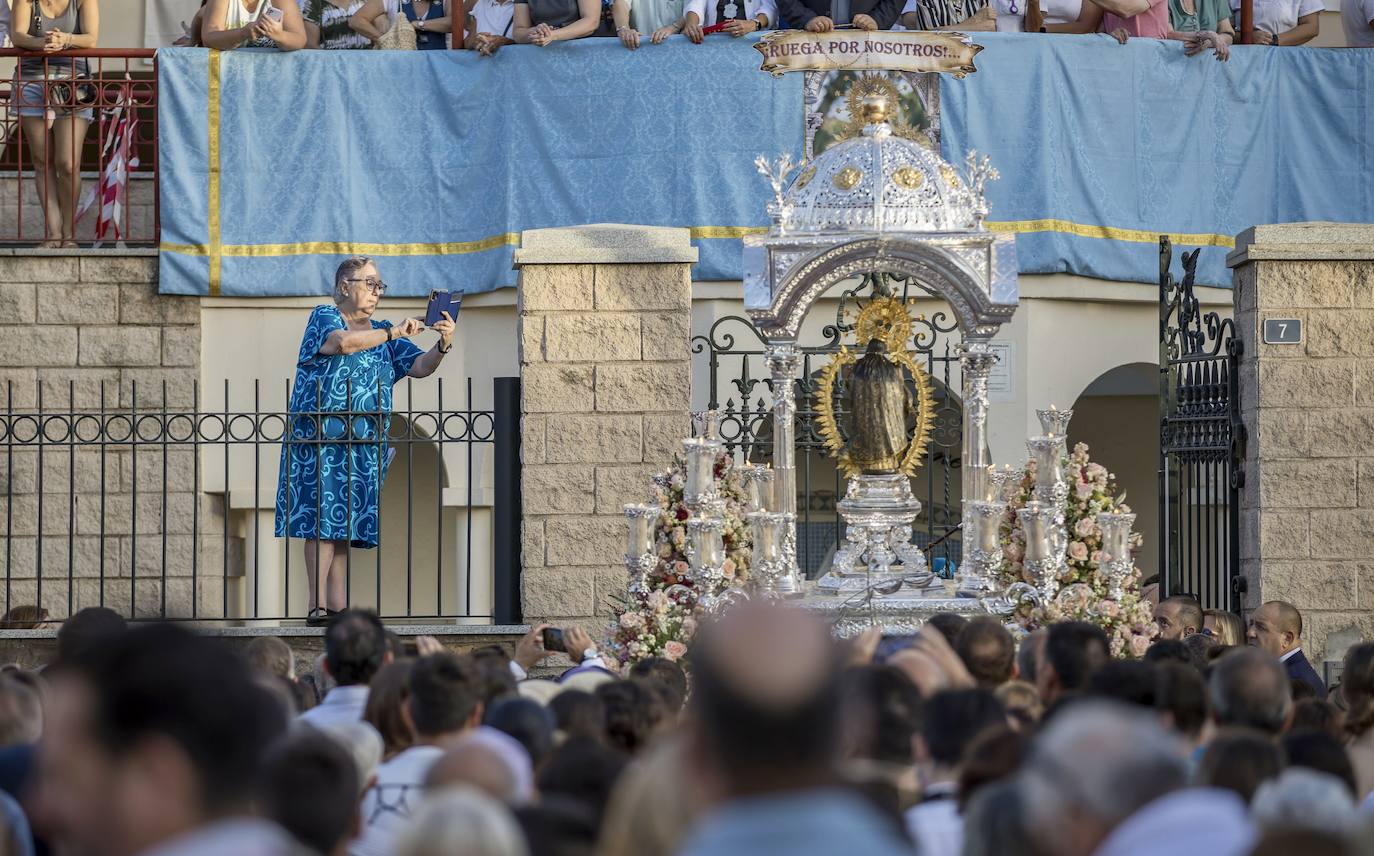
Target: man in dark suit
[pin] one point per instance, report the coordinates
(822, 16)
(1276, 627)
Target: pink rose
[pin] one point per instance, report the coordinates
(632, 621)
(1139, 645)
(1084, 490)
(1078, 551)
(1085, 527)
(1109, 609)
(675, 650)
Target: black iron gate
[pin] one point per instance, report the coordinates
(1202, 443)
(741, 389)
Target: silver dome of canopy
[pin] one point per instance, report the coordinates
(880, 182)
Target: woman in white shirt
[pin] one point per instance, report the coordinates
(1284, 22)
(740, 17)
(1057, 16)
(662, 18)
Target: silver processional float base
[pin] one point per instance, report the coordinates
(878, 577)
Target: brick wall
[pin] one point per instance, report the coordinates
(74, 328)
(1307, 509)
(605, 374)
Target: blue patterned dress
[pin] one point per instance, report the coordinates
(330, 490)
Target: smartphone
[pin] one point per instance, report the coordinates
(274, 13)
(553, 641)
(441, 302)
(891, 644)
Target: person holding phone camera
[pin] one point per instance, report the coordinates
(331, 467)
(54, 104)
(229, 24)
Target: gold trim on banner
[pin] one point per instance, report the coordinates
(212, 193)
(1110, 233)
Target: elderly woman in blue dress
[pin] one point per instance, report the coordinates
(332, 468)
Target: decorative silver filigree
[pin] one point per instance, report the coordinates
(779, 173)
(977, 173)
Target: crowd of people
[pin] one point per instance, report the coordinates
(1202, 25)
(778, 739)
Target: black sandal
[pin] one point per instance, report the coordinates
(318, 617)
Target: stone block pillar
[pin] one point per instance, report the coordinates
(1307, 508)
(604, 327)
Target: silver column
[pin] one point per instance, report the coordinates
(976, 360)
(783, 361)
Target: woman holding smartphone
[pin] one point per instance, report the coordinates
(229, 24)
(332, 467)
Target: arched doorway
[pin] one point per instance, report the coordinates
(1117, 415)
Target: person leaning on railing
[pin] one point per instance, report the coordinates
(327, 25)
(657, 17)
(50, 112)
(740, 17)
(429, 18)
(489, 25)
(543, 22)
(1200, 24)
(1285, 22)
(332, 466)
(229, 24)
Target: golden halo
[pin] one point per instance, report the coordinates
(847, 178)
(883, 318)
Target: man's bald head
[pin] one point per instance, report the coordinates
(1275, 627)
(766, 699)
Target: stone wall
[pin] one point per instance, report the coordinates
(137, 225)
(80, 331)
(1307, 508)
(604, 328)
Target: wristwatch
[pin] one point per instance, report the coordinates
(1274, 40)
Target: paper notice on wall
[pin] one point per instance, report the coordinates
(1002, 381)
(164, 21)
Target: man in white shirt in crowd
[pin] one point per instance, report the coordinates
(354, 650)
(950, 722)
(445, 703)
(152, 747)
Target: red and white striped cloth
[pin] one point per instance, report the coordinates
(120, 122)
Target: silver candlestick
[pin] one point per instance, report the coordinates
(1055, 421)
(1116, 550)
(982, 548)
(640, 558)
(706, 557)
(1051, 487)
(1043, 561)
(767, 563)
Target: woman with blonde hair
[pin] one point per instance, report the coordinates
(639, 821)
(1225, 627)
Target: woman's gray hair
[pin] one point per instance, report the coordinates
(347, 268)
(1304, 799)
(462, 822)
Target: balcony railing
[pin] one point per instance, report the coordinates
(168, 513)
(98, 188)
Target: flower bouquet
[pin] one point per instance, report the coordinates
(660, 618)
(1084, 590)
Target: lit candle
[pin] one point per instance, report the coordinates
(988, 536)
(765, 537)
(700, 468)
(992, 486)
(764, 479)
(1116, 535)
(638, 518)
(1036, 525)
(1047, 452)
(715, 544)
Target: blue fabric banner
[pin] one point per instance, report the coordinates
(274, 166)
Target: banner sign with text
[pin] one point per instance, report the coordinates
(861, 50)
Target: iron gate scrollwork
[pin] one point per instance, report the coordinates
(741, 391)
(1202, 443)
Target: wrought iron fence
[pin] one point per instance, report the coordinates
(740, 388)
(101, 184)
(1202, 443)
(162, 512)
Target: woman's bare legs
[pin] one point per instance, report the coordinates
(67, 136)
(336, 592)
(36, 138)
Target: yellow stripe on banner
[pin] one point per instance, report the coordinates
(1110, 233)
(702, 232)
(213, 192)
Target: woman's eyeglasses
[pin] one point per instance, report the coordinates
(372, 282)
